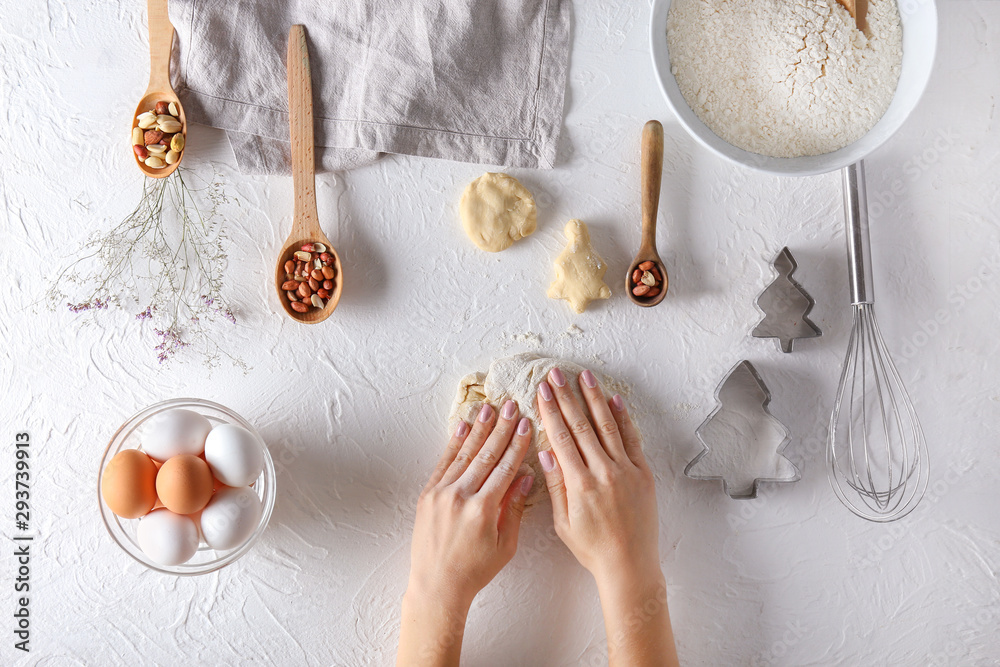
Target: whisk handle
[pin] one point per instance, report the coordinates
(859, 252)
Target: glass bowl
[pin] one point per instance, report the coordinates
(206, 559)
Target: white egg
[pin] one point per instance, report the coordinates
(167, 538)
(230, 517)
(234, 455)
(174, 432)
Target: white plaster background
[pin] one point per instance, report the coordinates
(355, 408)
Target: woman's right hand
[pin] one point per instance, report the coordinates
(604, 509)
(602, 490)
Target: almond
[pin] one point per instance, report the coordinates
(152, 137)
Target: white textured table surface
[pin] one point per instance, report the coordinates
(354, 409)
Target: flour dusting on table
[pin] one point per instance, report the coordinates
(785, 78)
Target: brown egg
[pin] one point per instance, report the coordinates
(128, 485)
(184, 484)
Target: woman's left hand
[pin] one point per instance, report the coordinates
(468, 519)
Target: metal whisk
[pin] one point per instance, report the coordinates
(876, 452)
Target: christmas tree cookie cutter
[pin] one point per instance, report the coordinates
(743, 442)
(785, 306)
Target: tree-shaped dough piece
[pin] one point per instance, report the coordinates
(742, 440)
(785, 306)
(579, 270)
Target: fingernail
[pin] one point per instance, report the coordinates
(558, 377)
(618, 402)
(588, 378)
(545, 390)
(462, 430)
(508, 410)
(485, 413)
(547, 461)
(526, 484)
(524, 426)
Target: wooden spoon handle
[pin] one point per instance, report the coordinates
(161, 40)
(652, 170)
(300, 104)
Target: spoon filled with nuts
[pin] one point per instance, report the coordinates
(309, 277)
(159, 130)
(646, 280)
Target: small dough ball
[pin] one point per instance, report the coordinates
(497, 210)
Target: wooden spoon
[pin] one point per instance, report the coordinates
(161, 40)
(652, 169)
(305, 220)
(858, 10)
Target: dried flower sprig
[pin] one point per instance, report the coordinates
(166, 260)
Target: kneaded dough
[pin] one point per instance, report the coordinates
(579, 270)
(517, 378)
(497, 210)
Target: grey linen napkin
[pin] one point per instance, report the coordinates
(469, 80)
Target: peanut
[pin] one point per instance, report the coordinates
(140, 152)
(328, 272)
(323, 294)
(304, 290)
(314, 284)
(299, 307)
(289, 285)
(646, 266)
(328, 285)
(641, 290)
(289, 266)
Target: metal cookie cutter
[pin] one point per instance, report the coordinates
(785, 306)
(743, 442)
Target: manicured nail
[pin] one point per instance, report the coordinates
(546, 459)
(485, 413)
(462, 430)
(558, 377)
(523, 426)
(508, 410)
(618, 402)
(545, 390)
(588, 378)
(526, 484)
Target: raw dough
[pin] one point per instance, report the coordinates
(517, 378)
(579, 270)
(497, 210)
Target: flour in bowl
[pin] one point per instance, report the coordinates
(785, 78)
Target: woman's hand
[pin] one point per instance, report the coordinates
(604, 509)
(468, 519)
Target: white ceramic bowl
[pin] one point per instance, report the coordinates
(206, 559)
(919, 18)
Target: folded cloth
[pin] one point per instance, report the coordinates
(470, 80)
